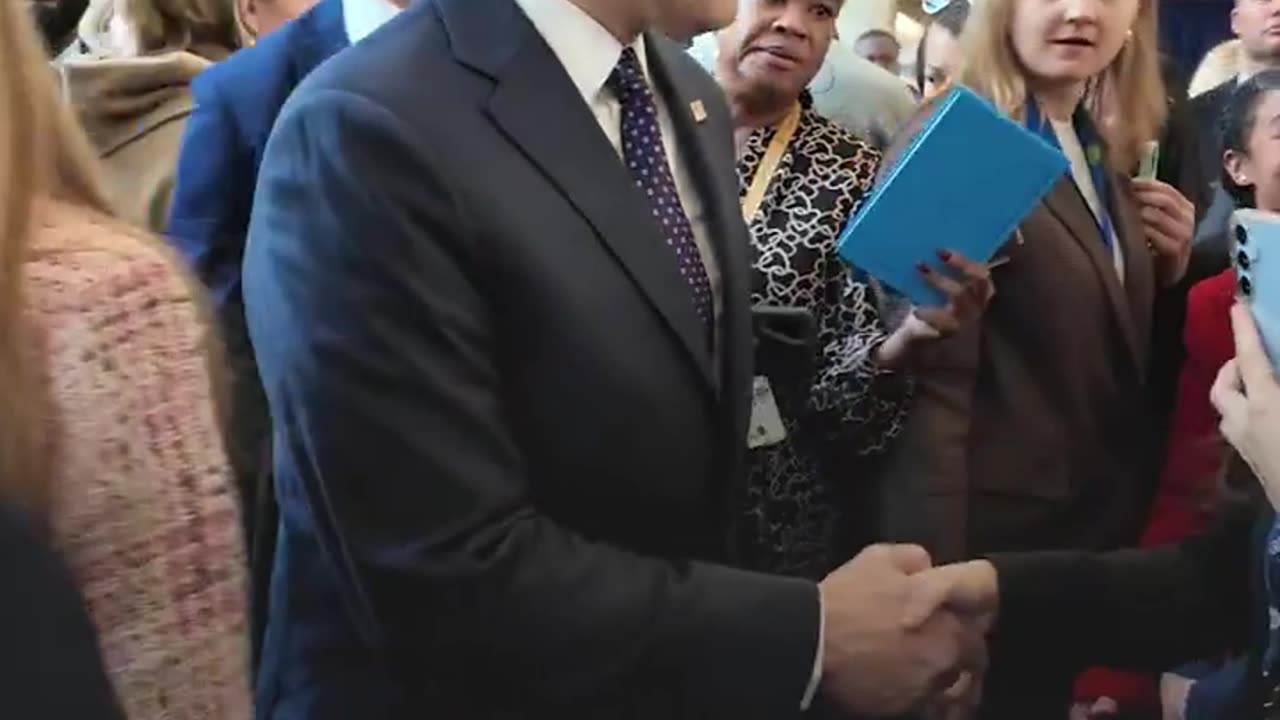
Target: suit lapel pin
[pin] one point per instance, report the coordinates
(699, 111)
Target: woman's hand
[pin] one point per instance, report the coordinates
(966, 299)
(1169, 219)
(1248, 398)
(1103, 707)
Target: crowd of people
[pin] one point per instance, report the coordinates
(496, 359)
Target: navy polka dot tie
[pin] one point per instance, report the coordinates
(646, 158)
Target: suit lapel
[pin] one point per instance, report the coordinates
(1070, 208)
(708, 154)
(1139, 268)
(538, 107)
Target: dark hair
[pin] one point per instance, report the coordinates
(878, 33)
(952, 19)
(57, 20)
(1237, 123)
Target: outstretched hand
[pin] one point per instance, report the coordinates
(970, 592)
(876, 664)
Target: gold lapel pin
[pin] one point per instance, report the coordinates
(699, 111)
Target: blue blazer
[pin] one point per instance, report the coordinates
(237, 102)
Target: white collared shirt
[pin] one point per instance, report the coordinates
(589, 53)
(361, 17)
(1071, 147)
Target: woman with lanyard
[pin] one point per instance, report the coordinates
(1029, 430)
(828, 401)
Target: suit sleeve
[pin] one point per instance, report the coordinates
(1144, 609)
(378, 342)
(213, 192)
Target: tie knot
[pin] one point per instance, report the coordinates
(627, 80)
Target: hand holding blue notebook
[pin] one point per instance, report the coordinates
(965, 182)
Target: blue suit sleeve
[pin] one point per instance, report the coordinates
(213, 195)
(374, 324)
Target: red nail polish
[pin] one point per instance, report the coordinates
(945, 255)
(922, 267)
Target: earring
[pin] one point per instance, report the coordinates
(1128, 36)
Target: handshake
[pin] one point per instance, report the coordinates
(900, 636)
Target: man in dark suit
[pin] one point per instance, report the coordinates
(236, 104)
(497, 283)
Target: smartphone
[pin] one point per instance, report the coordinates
(1255, 236)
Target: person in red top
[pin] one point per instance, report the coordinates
(1193, 463)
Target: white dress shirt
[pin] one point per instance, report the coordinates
(1071, 147)
(589, 53)
(361, 17)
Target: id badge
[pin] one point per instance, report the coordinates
(766, 422)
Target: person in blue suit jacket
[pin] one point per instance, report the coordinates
(497, 281)
(236, 104)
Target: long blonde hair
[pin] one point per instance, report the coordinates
(992, 68)
(43, 154)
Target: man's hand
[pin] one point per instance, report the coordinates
(970, 592)
(874, 662)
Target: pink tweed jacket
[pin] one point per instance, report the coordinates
(143, 505)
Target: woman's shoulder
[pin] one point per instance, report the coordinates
(81, 258)
(835, 150)
(845, 143)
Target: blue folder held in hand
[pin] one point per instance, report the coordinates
(965, 182)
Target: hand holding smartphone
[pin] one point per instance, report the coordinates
(1256, 257)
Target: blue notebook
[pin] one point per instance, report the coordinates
(965, 182)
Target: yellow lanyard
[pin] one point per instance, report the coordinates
(769, 164)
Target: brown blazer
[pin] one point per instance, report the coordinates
(1028, 430)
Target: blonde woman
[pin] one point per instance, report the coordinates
(108, 431)
(1029, 431)
(132, 90)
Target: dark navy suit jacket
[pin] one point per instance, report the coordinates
(507, 461)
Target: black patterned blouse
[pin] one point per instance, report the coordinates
(799, 515)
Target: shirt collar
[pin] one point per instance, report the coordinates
(584, 47)
(361, 17)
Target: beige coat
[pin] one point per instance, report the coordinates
(1029, 431)
(135, 111)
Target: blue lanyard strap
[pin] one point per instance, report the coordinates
(1091, 141)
